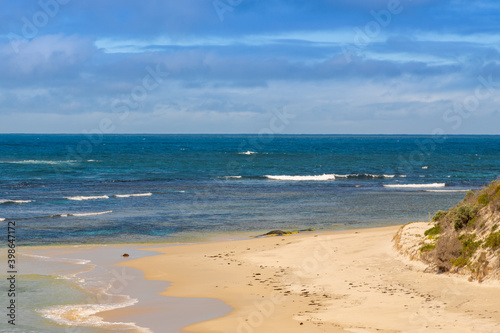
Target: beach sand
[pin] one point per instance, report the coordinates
(349, 281)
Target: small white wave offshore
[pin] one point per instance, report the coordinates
(133, 195)
(90, 214)
(363, 175)
(40, 162)
(303, 178)
(82, 198)
(10, 201)
(416, 185)
(248, 152)
(446, 191)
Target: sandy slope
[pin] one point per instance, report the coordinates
(351, 281)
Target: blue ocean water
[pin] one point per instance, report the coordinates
(156, 188)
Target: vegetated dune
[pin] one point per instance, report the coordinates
(463, 240)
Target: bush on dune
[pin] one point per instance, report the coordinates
(467, 233)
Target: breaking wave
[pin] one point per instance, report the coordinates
(133, 195)
(416, 185)
(82, 198)
(10, 201)
(302, 178)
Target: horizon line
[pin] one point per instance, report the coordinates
(257, 134)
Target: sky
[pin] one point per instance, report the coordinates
(250, 66)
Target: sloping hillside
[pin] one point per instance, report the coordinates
(462, 240)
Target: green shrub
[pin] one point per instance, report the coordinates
(460, 262)
(435, 230)
(493, 240)
(439, 215)
(495, 227)
(463, 215)
(469, 247)
(427, 247)
(469, 197)
(484, 199)
(472, 222)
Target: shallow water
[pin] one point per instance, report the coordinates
(74, 284)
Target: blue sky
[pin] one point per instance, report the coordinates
(248, 66)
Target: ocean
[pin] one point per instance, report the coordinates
(106, 189)
(74, 189)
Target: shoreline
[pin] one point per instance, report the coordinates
(329, 281)
(109, 287)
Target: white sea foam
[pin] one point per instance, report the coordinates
(2, 219)
(90, 214)
(402, 176)
(363, 175)
(133, 195)
(249, 152)
(298, 178)
(63, 260)
(232, 177)
(81, 198)
(84, 315)
(59, 215)
(40, 162)
(416, 185)
(425, 167)
(444, 191)
(6, 201)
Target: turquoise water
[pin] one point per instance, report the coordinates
(157, 188)
(35, 292)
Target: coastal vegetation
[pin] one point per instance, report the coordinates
(465, 239)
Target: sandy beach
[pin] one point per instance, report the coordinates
(350, 281)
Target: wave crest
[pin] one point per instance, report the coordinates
(303, 178)
(133, 195)
(415, 185)
(446, 191)
(364, 175)
(89, 214)
(10, 201)
(40, 162)
(82, 198)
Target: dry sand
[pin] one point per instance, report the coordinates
(351, 281)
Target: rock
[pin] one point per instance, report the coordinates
(125, 255)
(277, 232)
